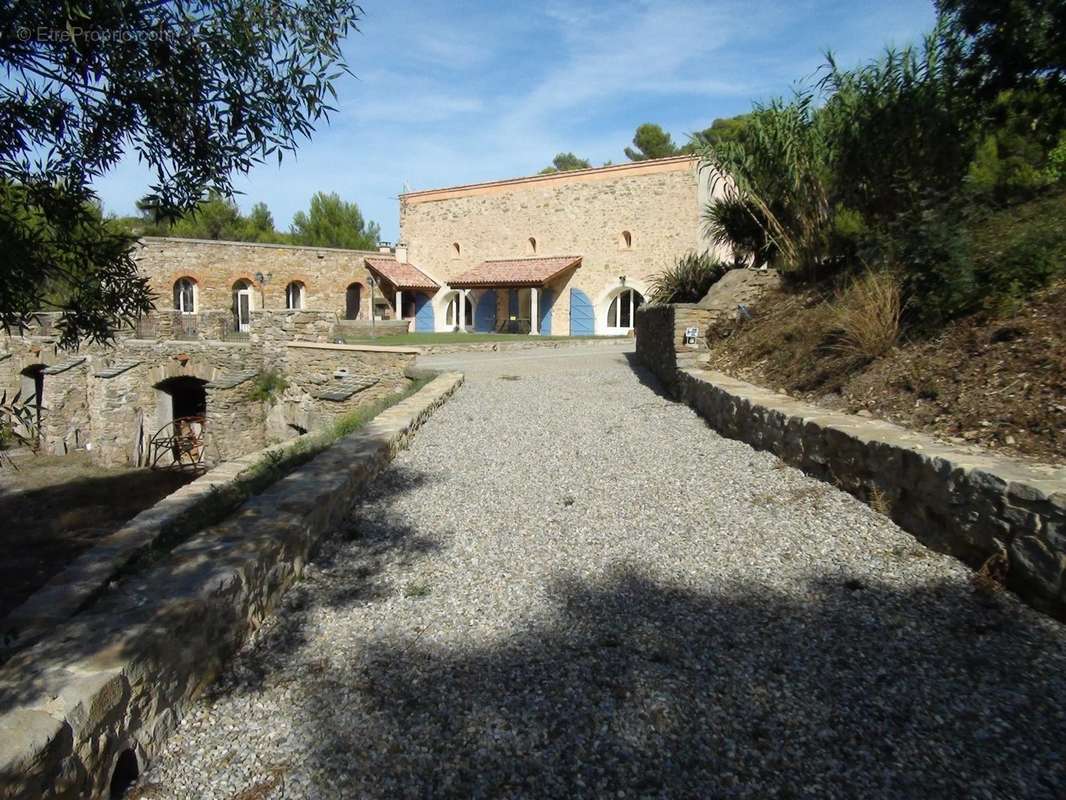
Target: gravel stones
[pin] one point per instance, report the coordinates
(612, 600)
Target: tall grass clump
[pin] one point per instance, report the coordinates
(688, 280)
(868, 314)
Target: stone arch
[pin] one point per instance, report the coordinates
(443, 299)
(603, 300)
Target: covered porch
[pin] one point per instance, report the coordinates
(506, 295)
(404, 289)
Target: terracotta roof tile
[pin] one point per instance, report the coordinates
(402, 276)
(514, 272)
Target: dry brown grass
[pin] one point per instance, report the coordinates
(880, 502)
(868, 314)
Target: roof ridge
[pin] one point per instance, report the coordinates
(527, 258)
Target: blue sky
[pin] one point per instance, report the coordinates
(459, 92)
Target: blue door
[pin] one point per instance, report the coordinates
(423, 314)
(485, 313)
(582, 319)
(547, 297)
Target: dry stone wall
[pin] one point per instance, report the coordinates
(971, 506)
(328, 381)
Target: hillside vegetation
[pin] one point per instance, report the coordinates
(916, 208)
(995, 377)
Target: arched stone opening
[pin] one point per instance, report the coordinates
(180, 422)
(125, 774)
(31, 389)
(353, 300)
(616, 307)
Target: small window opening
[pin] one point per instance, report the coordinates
(185, 296)
(627, 240)
(125, 774)
(456, 250)
(294, 296)
(532, 246)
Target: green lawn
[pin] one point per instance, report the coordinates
(458, 338)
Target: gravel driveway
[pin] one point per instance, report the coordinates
(570, 587)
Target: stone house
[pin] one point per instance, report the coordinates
(568, 253)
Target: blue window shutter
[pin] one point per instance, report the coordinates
(582, 319)
(547, 297)
(485, 313)
(423, 314)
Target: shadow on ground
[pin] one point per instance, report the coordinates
(633, 688)
(49, 524)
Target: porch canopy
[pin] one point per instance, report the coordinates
(400, 275)
(514, 272)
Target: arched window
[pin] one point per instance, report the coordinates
(532, 246)
(626, 240)
(451, 316)
(294, 295)
(185, 295)
(353, 300)
(456, 250)
(623, 311)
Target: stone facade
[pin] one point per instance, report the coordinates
(215, 267)
(630, 220)
(328, 381)
(115, 400)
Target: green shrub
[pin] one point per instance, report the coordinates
(1056, 160)
(1028, 262)
(269, 384)
(688, 280)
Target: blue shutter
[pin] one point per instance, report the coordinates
(512, 302)
(423, 314)
(547, 297)
(485, 313)
(582, 319)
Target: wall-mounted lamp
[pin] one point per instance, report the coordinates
(622, 279)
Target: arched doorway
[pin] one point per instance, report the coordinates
(451, 315)
(622, 311)
(31, 395)
(181, 419)
(242, 305)
(353, 298)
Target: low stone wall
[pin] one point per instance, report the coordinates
(959, 503)
(112, 683)
(660, 331)
(381, 327)
(328, 381)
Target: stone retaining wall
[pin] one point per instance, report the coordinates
(660, 331)
(958, 503)
(113, 683)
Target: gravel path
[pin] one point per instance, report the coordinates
(571, 587)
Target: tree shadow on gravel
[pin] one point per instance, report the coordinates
(169, 608)
(632, 688)
(339, 578)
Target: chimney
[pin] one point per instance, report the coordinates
(401, 252)
(385, 248)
